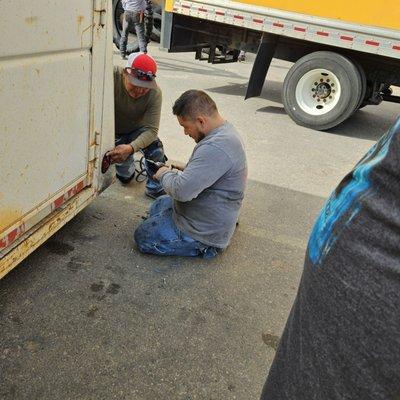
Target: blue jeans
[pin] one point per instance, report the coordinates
(154, 152)
(159, 235)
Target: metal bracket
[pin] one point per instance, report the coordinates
(94, 148)
(101, 10)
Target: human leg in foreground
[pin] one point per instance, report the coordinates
(342, 340)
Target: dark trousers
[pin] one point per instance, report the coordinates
(132, 23)
(154, 152)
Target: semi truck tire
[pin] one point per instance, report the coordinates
(363, 76)
(157, 17)
(322, 89)
(117, 12)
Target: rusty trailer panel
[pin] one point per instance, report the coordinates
(57, 119)
(43, 230)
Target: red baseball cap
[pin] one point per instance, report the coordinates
(141, 69)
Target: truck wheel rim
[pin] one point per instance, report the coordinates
(318, 91)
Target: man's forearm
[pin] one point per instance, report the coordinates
(176, 185)
(144, 139)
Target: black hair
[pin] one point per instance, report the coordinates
(192, 103)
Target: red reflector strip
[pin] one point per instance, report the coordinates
(278, 25)
(396, 47)
(12, 236)
(348, 38)
(298, 29)
(258, 21)
(238, 17)
(57, 203)
(203, 9)
(320, 33)
(371, 43)
(220, 13)
(185, 6)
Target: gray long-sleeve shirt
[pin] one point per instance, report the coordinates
(208, 194)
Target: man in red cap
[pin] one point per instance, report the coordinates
(137, 101)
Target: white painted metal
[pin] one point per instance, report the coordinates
(31, 27)
(318, 92)
(44, 120)
(102, 95)
(102, 90)
(314, 29)
(45, 105)
(55, 80)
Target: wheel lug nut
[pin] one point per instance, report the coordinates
(319, 100)
(332, 84)
(321, 80)
(328, 80)
(314, 95)
(333, 91)
(315, 83)
(330, 97)
(324, 100)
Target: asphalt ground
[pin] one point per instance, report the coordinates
(87, 316)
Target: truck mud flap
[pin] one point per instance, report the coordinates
(261, 65)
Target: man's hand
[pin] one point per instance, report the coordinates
(120, 153)
(160, 172)
(180, 166)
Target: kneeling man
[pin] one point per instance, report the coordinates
(198, 215)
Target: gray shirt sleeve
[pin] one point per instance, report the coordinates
(207, 165)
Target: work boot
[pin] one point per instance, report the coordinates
(125, 180)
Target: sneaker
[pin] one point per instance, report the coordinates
(154, 195)
(124, 179)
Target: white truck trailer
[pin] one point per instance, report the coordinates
(56, 117)
(346, 54)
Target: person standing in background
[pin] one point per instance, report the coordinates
(133, 20)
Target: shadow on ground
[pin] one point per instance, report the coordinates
(88, 317)
(197, 68)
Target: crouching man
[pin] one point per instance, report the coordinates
(137, 101)
(198, 215)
